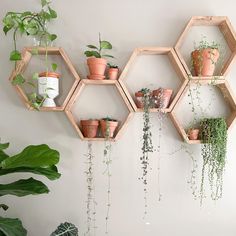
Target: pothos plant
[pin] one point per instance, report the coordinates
(147, 146)
(33, 24)
(213, 133)
(38, 159)
(66, 229)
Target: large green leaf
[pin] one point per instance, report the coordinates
(11, 227)
(4, 146)
(105, 45)
(3, 155)
(32, 156)
(23, 187)
(50, 172)
(66, 229)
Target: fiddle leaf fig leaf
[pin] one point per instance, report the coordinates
(32, 156)
(11, 227)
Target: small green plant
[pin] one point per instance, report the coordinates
(40, 160)
(66, 229)
(204, 44)
(98, 51)
(147, 146)
(112, 66)
(213, 133)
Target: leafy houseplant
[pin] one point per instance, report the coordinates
(66, 229)
(39, 159)
(113, 71)
(205, 57)
(96, 59)
(33, 24)
(213, 133)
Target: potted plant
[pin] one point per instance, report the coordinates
(33, 24)
(113, 71)
(108, 127)
(140, 98)
(213, 134)
(162, 97)
(96, 59)
(204, 58)
(89, 128)
(38, 159)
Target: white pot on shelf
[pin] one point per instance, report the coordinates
(48, 87)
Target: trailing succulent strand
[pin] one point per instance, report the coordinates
(213, 134)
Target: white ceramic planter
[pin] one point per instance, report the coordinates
(48, 87)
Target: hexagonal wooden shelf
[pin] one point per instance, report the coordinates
(225, 27)
(22, 65)
(162, 51)
(228, 96)
(86, 82)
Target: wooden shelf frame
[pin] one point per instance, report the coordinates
(162, 51)
(228, 32)
(228, 96)
(22, 65)
(86, 82)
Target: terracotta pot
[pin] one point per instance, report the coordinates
(113, 73)
(204, 61)
(97, 67)
(108, 128)
(89, 128)
(139, 99)
(162, 97)
(193, 134)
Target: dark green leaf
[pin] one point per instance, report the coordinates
(6, 29)
(12, 227)
(4, 207)
(66, 229)
(23, 187)
(50, 172)
(3, 155)
(4, 146)
(54, 66)
(15, 56)
(107, 56)
(18, 80)
(92, 46)
(26, 13)
(52, 12)
(92, 54)
(105, 45)
(32, 156)
(52, 37)
(44, 3)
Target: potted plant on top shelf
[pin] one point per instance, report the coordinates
(96, 59)
(204, 58)
(34, 24)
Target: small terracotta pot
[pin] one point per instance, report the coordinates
(89, 128)
(139, 99)
(97, 67)
(162, 97)
(204, 61)
(108, 128)
(193, 134)
(113, 73)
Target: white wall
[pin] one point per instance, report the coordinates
(127, 24)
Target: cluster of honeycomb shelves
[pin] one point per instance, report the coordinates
(177, 62)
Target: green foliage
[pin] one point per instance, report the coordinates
(213, 133)
(97, 51)
(66, 229)
(112, 65)
(36, 159)
(204, 44)
(11, 227)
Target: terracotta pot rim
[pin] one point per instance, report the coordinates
(89, 122)
(111, 68)
(49, 74)
(111, 123)
(95, 60)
